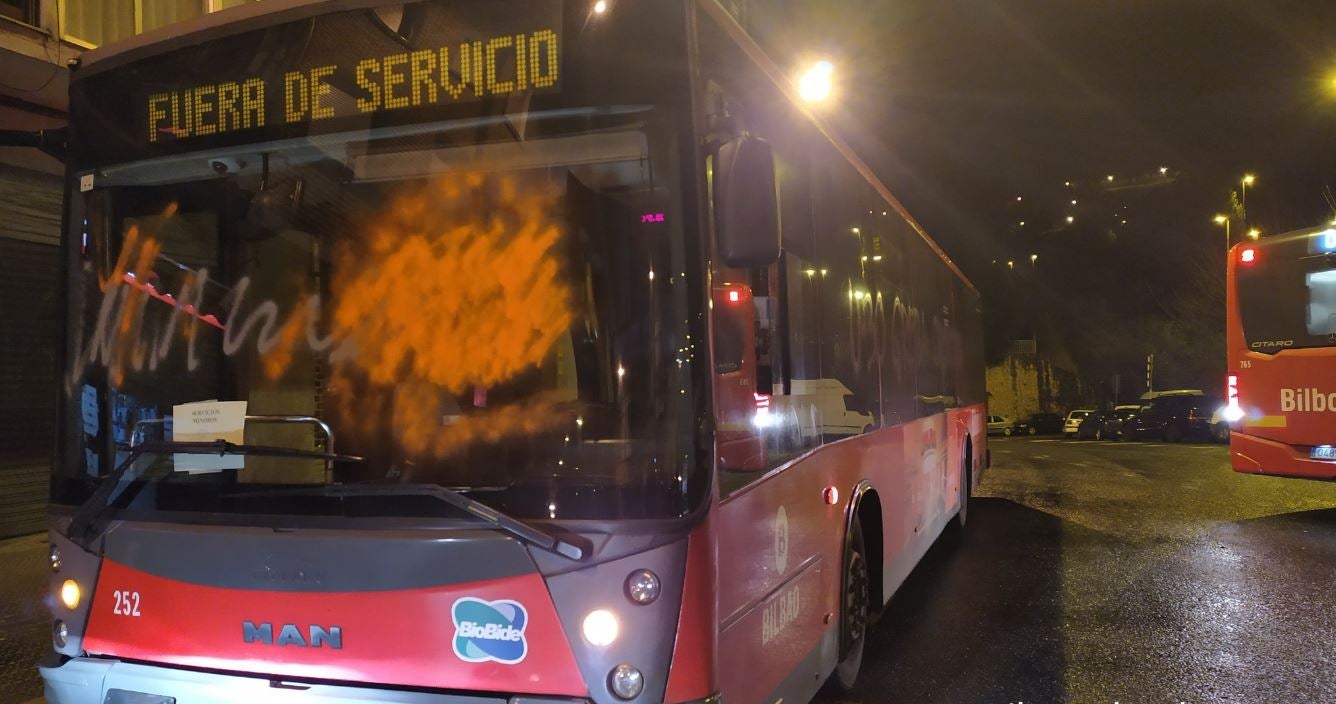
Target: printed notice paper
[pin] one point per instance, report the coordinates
(207, 421)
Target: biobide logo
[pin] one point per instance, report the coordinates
(289, 634)
(490, 631)
(1308, 400)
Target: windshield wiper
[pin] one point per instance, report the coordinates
(82, 529)
(532, 534)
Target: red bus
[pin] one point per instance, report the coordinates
(1281, 383)
(506, 351)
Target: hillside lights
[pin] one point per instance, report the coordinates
(600, 628)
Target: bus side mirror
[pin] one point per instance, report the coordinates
(746, 209)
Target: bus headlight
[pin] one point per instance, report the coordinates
(69, 594)
(600, 628)
(643, 587)
(626, 682)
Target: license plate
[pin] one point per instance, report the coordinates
(1325, 452)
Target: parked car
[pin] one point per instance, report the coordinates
(999, 425)
(1092, 426)
(1073, 422)
(1219, 426)
(1038, 424)
(1115, 420)
(1174, 418)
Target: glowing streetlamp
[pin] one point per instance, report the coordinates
(600, 7)
(1248, 180)
(817, 83)
(1254, 233)
(1224, 220)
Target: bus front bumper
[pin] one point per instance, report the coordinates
(103, 681)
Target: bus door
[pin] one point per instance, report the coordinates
(738, 405)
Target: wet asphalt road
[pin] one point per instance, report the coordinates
(1118, 572)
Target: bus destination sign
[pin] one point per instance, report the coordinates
(495, 66)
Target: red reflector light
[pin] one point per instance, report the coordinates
(734, 296)
(1248, 255)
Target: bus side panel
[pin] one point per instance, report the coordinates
(692, 676)
(780, 548)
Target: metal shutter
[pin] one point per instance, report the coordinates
(29, 326)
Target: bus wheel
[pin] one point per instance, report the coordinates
(854, 611)
(963, 513)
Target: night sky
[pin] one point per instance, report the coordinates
(962, 105)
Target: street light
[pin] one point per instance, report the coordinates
(1033, 258)
(1248, 180)
(816, 84)
(1224, 220)
(1254, 233)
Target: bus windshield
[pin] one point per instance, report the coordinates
(486, 319)
(1287, 292)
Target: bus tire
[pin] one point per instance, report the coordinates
(966, 475)
(853, 612)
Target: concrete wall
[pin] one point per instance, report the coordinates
(1027, 383)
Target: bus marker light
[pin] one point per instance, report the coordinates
(1248, 255)
(643, 587)
(54, 557)
(831, 495)
(626, 682)
(600, 628)
(69, 594)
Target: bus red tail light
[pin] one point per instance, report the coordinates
(1233, 408)
(1248, 255)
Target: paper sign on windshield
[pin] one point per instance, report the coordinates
(207, 421)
